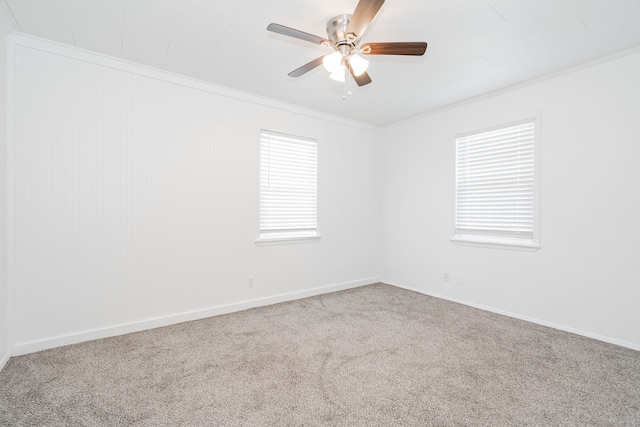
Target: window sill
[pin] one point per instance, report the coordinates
(495, 244)
(287, 240)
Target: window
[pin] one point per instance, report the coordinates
(496, 185)
(288, 188)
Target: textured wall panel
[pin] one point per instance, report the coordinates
(135, 198)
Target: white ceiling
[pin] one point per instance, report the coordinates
(475, 46)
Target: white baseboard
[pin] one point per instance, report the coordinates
(45, 344)
(525, 318)
(4, 361)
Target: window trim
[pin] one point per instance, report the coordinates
(277, 241)
(499, 242)
(260, 240)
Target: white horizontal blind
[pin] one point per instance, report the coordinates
(495, 183)
(288, 186)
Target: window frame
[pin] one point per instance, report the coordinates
(262, 240)
(497, 241)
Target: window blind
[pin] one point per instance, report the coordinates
(495, 183)
(288, 186)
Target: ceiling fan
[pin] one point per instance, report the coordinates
(343, 35)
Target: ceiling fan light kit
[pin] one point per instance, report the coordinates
(343, 35)
(338, 74)
(332, 62)
(358, 63)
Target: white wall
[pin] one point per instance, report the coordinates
(135, 199)
(5, 28)
(586, 277)
(134, 202)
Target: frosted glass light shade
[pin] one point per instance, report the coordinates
(338, 74)
(332, 61)
(358, 64)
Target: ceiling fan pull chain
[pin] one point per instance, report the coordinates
(348, 85)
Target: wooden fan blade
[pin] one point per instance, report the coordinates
(291, 32)
(362, 79)
(395, 48)
(306, 67)
(362, 16)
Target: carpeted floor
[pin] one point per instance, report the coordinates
(375, 355)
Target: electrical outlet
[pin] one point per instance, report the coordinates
(460, 280)
(250, 283)
(445, 276)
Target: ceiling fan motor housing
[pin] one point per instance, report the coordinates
(337, 31)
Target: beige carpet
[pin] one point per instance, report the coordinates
(375, 355)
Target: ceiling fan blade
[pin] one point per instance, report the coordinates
(362, 16)
(281, 29)
(394, 48)
(306, 67)
(362, 79)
